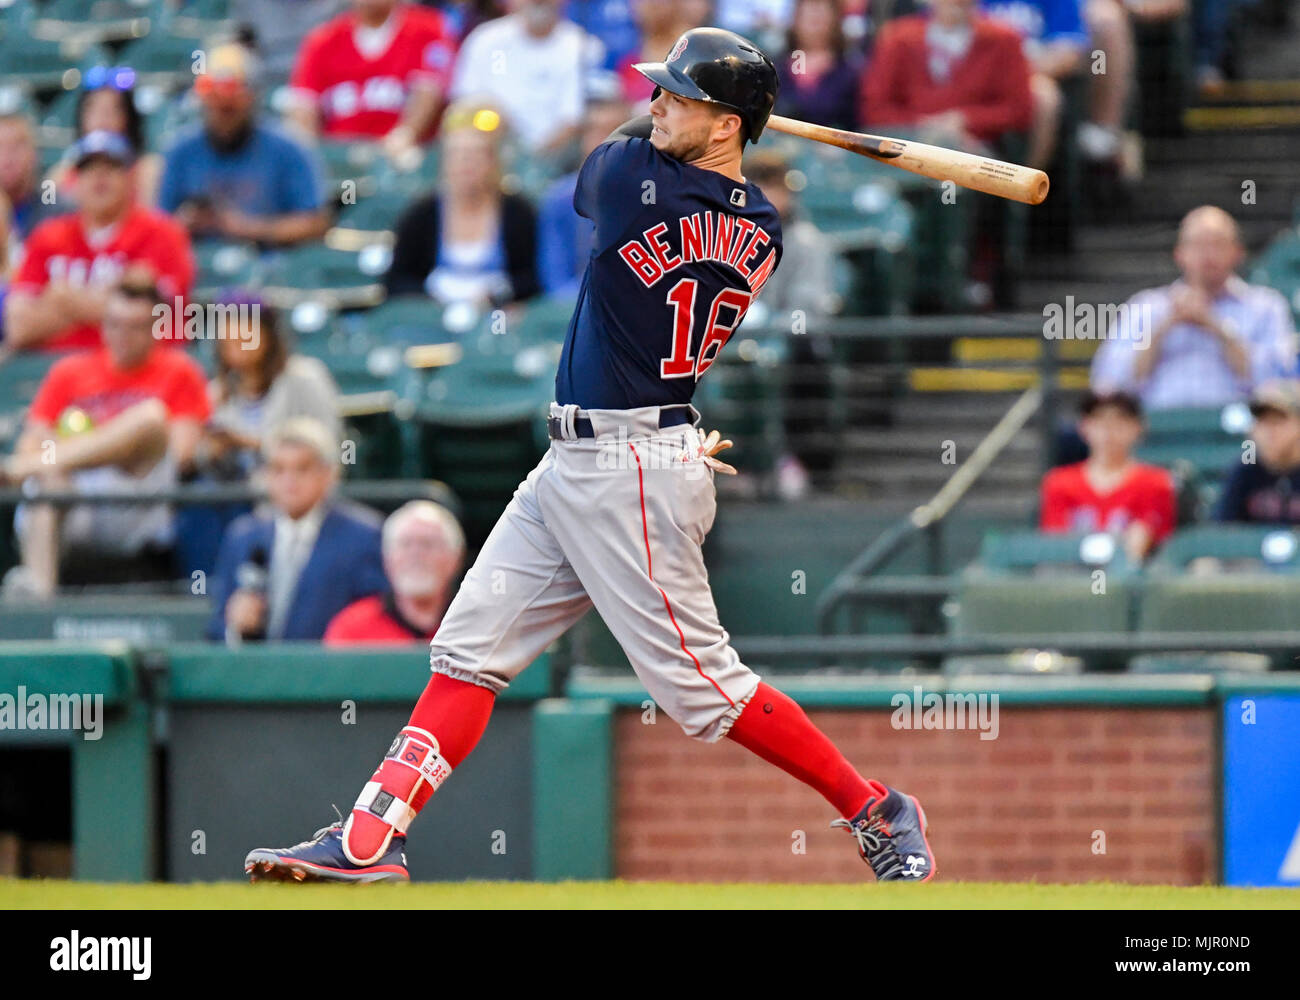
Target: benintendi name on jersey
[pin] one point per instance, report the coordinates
(704, 236)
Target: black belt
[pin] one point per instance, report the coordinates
(668, 417)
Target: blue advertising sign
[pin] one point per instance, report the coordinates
(1261, 790)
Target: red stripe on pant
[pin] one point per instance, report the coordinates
(649, 568)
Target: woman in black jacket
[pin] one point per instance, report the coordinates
(467, 241)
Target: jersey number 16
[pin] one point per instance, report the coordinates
(680, 364)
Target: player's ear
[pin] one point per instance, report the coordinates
(726, 125)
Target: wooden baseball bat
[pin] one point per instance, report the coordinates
(979, 173)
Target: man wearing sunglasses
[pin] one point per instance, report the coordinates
(233, 177)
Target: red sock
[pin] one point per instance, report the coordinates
(773, 726)
(455, 712)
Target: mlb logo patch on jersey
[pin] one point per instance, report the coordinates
(738, 197)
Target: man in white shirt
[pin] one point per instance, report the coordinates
(1206, 340)
(533, 65)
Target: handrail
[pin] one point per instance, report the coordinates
(928, 514)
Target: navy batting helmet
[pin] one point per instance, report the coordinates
(709, 64)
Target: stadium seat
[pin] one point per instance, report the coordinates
(1043, 605)
(1030, 583)
(220, 264)
(161, 59)
(96, 20)
(1244, 603)
(371, 218)
(1234, 547)
(480, 423)
(340, 278)
(1279, 267)
(37, 64)
(1037, 552)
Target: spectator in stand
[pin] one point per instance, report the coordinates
(260, 384)
(1267, 490)
(379, 71)
(56, 299)
(1055, 44)
(277, 28)
(1110, 491)
(564, 238)
(20, 180)
(424, 549)
(106, 103)
(533, 65)
(234, 177)
(660, 23)
(1110, 27)
(953, 75)
(1205, 340)
(123, 418)
(819, 74)
(468, 241)
(799, 298)
(612, 23)
(284, 573)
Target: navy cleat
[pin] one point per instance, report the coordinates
(891, 834)
(322, 859)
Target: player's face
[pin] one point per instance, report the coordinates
(127, 330)
(1111, 433)
(1278, 436)
(683, 128)
(296, 479)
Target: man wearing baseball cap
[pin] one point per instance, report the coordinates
(1264, 487)
(234, 176)
(57, 298)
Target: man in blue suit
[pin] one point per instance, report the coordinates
(285, 573)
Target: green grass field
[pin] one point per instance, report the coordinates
(45, 894)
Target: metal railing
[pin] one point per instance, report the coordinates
(927, 519)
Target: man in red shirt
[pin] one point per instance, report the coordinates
(379, 71)
(123, 418)
(56, 300)
(1109, 491)
(423, 548)
(954, 72)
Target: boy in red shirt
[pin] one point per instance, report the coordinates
(1109, 491)
(56, 300)
(379, 71)
(124, 418)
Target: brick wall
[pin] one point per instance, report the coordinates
(1022, 807)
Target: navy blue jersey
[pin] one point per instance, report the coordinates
(679, 254)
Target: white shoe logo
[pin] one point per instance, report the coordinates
(915, 866)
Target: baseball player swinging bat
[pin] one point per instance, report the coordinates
(970, 170)
(613, 517)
